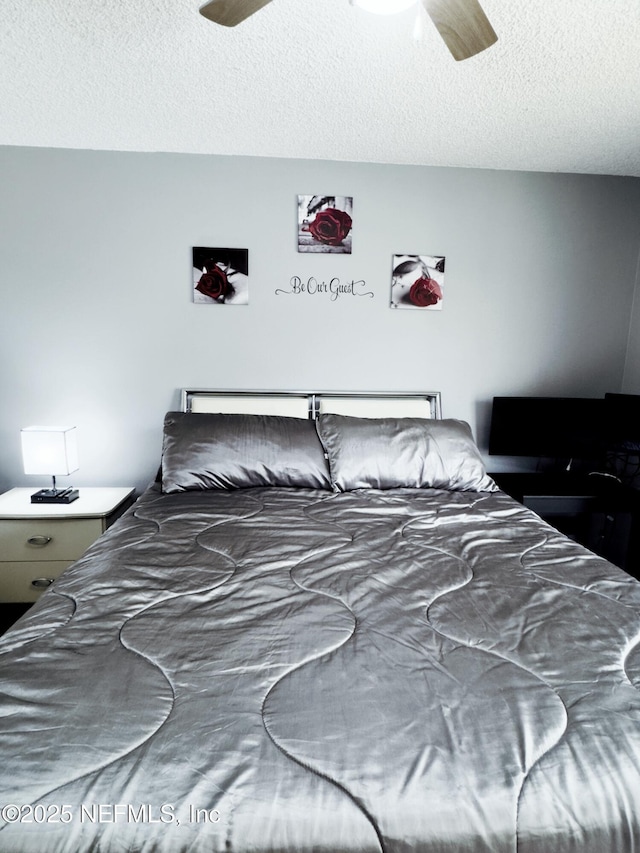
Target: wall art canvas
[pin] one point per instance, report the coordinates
(325, 223)
(417, 281)
(220, 276)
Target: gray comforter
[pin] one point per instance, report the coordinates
(297, 670)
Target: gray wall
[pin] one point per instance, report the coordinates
(98, 327)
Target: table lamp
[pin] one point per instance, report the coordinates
(50, 450)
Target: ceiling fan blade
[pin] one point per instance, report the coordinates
(231, 12)
(463, 26)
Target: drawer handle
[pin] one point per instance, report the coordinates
(42, 583)
(39, 541)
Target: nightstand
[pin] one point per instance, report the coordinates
(595, 510)
(39, 541)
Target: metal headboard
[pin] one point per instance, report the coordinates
(310, 404)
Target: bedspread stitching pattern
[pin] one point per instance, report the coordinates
(295, 654)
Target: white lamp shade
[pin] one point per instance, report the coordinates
(49, 450)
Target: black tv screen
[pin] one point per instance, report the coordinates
(554, 427)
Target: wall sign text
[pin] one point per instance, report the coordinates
(333, 288)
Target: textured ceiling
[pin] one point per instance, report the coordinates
(560, 91)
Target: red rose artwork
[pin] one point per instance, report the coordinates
(424, 292)
(325, 224)
(330, 226)
(417, 282)
(214, 284)
(220, 276)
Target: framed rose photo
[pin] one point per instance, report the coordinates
(325, 223)
(220, 276)
(417, 281)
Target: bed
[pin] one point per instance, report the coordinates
(323, 628)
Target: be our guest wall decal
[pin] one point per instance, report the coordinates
(332, 288)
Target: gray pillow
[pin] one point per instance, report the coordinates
(228, 451)
(388, 453)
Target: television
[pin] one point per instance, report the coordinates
(551, 427)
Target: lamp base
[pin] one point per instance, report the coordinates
(55, 496)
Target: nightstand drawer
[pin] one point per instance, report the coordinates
(26, 581)
(38, 541)
(47, 539)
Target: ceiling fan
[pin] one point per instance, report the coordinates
(462, 24)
